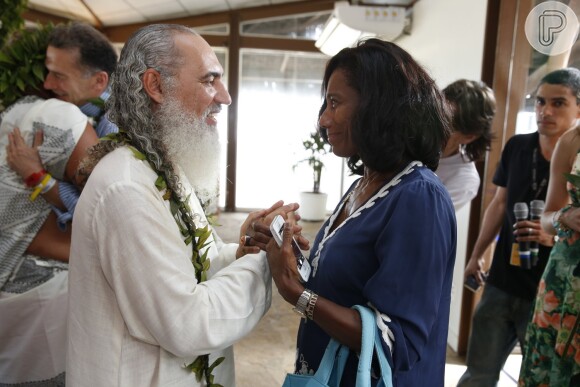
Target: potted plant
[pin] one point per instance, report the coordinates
(313, 203)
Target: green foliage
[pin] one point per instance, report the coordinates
(22, 63)
(202, 369)
(316, 147)
(11, 19)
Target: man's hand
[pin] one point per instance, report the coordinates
(475, 268)
(532, 231)
(21, 158)
(255, 231)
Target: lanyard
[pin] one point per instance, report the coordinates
(537, 189)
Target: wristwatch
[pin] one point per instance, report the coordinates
(311, 305)
(302, 303)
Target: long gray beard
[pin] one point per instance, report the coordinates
(194, 146)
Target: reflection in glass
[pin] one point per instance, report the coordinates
(540, 65)
(304, 26)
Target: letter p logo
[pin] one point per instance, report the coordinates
(551, 23)
(551, 28)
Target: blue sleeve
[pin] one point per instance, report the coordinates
(69, 195)
(416, 253)
(105, 127)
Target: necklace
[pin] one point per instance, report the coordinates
(196, 236)
(361, 188)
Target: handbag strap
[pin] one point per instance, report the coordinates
(334, 359)
(327, 363)
(371, 342)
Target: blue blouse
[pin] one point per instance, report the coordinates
(396, 254)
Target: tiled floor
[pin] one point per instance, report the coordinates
(265, 356)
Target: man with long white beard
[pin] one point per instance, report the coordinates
(156, 298)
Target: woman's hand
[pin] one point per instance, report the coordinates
(283, 265)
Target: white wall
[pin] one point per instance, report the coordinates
(447, 38)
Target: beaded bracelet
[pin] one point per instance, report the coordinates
(35, 178)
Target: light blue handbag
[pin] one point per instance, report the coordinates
(332, 364)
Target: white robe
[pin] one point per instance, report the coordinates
(136, 312)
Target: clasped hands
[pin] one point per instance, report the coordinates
(255, 231)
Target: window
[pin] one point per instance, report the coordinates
(278, 107)
(304, 26)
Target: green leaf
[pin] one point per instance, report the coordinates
(38, 71)
(203, 238)
(173, 207)
(216, 363)
(205, 245)
(5, 58)
(138, 155)
(198, 366)
(213, 221)
(111, 137)
(160, 183)
(98, 102)
(20, 84)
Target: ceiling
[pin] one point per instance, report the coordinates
(107, 13)
(112, 13)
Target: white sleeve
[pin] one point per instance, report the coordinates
(148, 267)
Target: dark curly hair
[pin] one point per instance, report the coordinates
(96, 52)
(473, 105)
(401, 116)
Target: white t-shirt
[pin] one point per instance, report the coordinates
(136, 312)
(460, 177)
